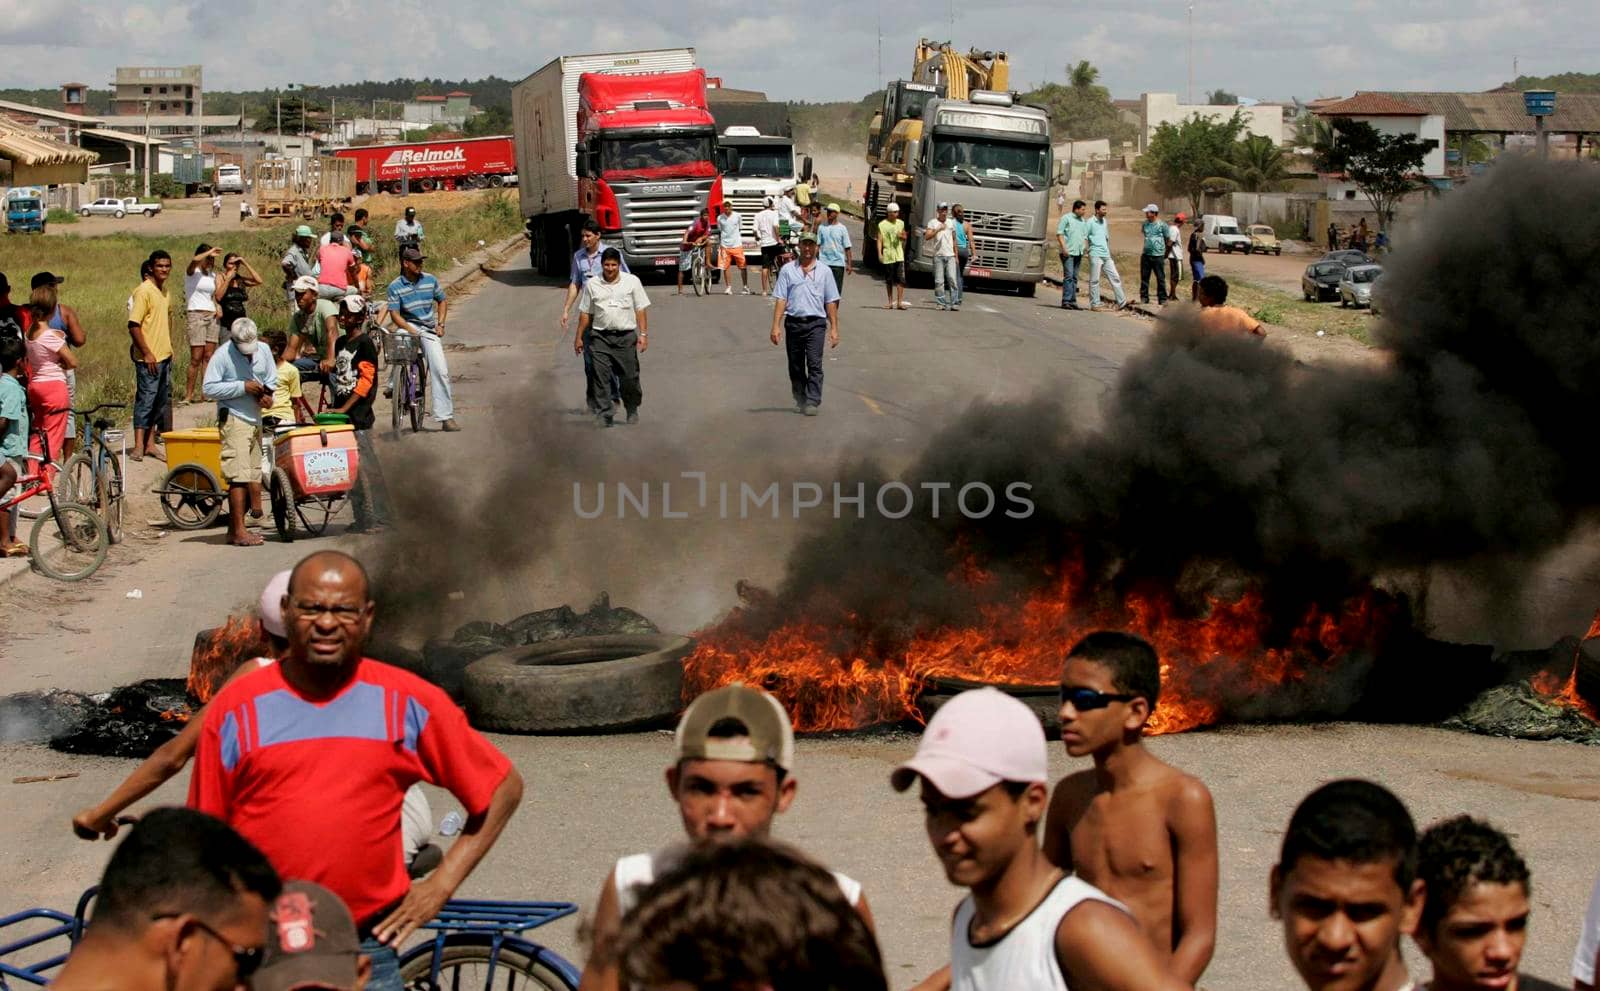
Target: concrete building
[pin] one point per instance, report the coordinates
(170, 90)
(1390, 115)
(1155, 109)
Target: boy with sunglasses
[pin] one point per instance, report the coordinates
(1133, 826)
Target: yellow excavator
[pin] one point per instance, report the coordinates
(937, 70)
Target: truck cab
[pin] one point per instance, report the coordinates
(25, 210)
(756, 167)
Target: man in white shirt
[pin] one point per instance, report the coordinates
(1174, 255)
(733, 774)
(731, 241)
(785, 205)
(942, 233)
(613, 305)
(767, 240)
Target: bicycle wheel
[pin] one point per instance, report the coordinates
(70, 543)
(419, 385)
(397, 397)
(464, 964)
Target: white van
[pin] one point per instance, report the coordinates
(1221, 233)
(230, 179)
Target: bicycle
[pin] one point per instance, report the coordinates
(96, 470)
(60, 926)
(408, 378)
(76, 545)
(700, 268)
(475, 942)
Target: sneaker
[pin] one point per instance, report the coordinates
(799, 407)
(745, 291)
(605, 420)
(728, 291)
(904, 305)
(955, 307)
(811, 411)
(449, 426)
(633, 416)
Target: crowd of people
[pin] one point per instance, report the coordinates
(1107, 879)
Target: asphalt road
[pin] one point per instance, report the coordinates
(497, 526)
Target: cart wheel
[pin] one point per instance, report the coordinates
(191, 497)
(326, 503)
(283, 508)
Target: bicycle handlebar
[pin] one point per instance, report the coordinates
(87, 412)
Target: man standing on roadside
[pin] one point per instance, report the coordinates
(216, 205)
(731, 241)
(1099, 239)
(356, 234)
(150, 326)
(767, 241)
(327, 728)
(892, 252)
(1174, 255)
(807, 307)
(834, 247)
(1072, 234)
(417, 306)
(958, 217)
(585, 266)
(335, 226)
(613, 324)
(1153, 259)
(355, 384)
(942, 233)
(300, 260)
(241, 379)
(408, 229)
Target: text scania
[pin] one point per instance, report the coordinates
(425, 156)
(695, 496)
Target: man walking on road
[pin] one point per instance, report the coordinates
(1072, 234)
(355, 386)
(767, 241)
(1099, 240)
(942, 233)
(731, 241)
(834, 247)
(310, 759)
(417, 306)
(241, 379)
(807, 306)
(585, 266)
(613, 322)
(1153, 259)
(892, 252)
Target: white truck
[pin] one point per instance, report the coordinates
(229, 179)
(756, 155)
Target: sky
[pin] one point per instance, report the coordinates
(817, 49)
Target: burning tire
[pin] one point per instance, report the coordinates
(578, 685)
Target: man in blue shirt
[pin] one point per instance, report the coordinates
(417, 306)
(731, 241)
(240, 379)
(585, 266)
(834, 247)
(958, 214)
(1073, 236)
(1153, 259)
(1099, 241)
(807, 307)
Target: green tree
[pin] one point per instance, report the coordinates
(1311, 131)
(1185, 159)
(494, 120)
(1254, 165)
(1082, 109)
(1222, 98)
(1383, 166)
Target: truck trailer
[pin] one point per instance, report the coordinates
(623, 139)
(756, 156)
(458, 163)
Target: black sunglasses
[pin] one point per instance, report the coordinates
(1084, 699)
(246, 960)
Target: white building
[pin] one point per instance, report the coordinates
(1389, 115)
(1155, 109)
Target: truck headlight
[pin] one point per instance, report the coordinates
(1036, 256)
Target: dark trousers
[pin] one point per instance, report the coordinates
(1152, 265)
(615, 365)
(963, 257)
(803, 338)
(369, 498)
(1069, 279)
(151, 392)
(838, 277)
(1174, 273)
(588, 376)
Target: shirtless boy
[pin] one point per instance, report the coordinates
(1136, 828)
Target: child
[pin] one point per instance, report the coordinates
(13, 436)
(1026, 922)
(288, 402)
(1134, 827)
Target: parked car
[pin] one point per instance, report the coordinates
(1264, 239)
(132, 205)
(1321, 281)
(105, 206)
(1347, 257)
(1355, 289)
(1221, 233)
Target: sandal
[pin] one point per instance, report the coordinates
(15, 550)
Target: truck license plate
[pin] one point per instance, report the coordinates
(666, 260)
(328, 467)
(980, 273)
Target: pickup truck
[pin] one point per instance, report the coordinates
(109, 206)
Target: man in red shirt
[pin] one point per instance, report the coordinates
(310, 759)
(694, 239)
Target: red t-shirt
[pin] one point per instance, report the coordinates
(318, 787)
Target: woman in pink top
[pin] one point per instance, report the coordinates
(49, 358)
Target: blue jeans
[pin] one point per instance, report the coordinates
(945, 274)
(962, 258)
(151, 391)
(1069, 279)
(308, 368)
(385, 966)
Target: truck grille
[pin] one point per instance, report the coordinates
(1002, 256)
(655, 225)
(984, 222)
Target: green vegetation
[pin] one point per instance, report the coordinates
(1561, 82)
(1273, 306)
(59, 216)
(1082, 109)
(1382, 166)
(819, 126)
(1254, 165)
(102, 273)
(1185, 158)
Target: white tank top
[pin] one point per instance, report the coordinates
(1025, 957)
(635, 872)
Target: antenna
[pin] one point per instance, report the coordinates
(1191, 54)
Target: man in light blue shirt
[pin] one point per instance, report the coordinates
(1072, 234)
(834, 247)
(1098, 239)
(731, 240)
(807, 307)
(240, 379)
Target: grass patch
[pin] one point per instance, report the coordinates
(102, 273)
(1278, 308)
(59, 216)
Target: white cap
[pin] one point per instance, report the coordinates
(894, 208)
(306, 283)
(1151, 208)
(975, 741)
(246, 338)
(271, 605)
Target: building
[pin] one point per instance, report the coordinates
(1501, 117)
(168, 90)
(426, 111)
(1155, 109)
(75, 98)
(1391, 114)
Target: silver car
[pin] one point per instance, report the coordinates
(1355, 289)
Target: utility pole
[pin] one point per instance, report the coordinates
(1191, 54)
(146, 149)
(280, 121)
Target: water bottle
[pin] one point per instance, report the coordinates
(451, 824)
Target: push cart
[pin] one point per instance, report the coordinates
(314, 469)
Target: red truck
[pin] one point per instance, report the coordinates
(464, 163)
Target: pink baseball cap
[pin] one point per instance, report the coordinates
(975, 741)
(271, 605)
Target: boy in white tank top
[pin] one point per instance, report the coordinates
(732, 775)
(1025, 924)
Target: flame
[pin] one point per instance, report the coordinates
(828, 687)
(234, 641)
(1565, 692)
(175, 715)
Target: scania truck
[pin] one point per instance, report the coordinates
(623, 139)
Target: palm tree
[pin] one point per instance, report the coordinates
(1083, 75)
(1255, 165)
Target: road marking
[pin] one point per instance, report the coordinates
(988, 309)
(872, 405)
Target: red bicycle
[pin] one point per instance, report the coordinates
(69, 543)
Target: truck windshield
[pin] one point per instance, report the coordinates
(764, 162)
(23, 206)
(988, 158)
(652, 154)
